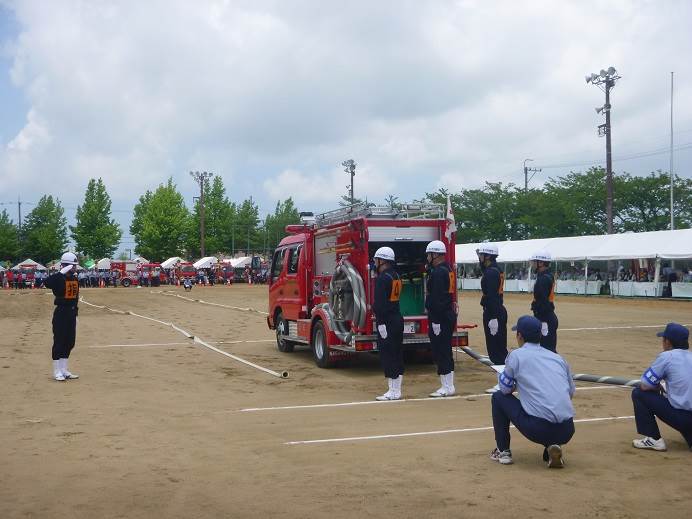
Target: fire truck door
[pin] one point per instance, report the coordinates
(292, 300)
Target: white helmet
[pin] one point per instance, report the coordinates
(488, 248)
(68, 258)
(437, 247)
(385, 253)
(541, 256)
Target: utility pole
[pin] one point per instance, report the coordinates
(350, 167)
(526, 174)
(606, 81)
(19, 214)
(201, 178)
(672, 175)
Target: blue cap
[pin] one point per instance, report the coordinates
(675, 332)
(528, 326)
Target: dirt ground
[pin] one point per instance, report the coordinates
(155, 426)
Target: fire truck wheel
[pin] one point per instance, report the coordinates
(320, 349)
(281, 330)
(126, 282)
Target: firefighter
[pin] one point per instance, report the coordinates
(543, 306)
(390, 323)
(442, 318)
(65, 287)
(494, 312)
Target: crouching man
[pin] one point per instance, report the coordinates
(673, 366)
(544, 414)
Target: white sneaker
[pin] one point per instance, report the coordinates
(396, 388)
(57, 372)
(65, 372)
(442, 391)
(449, 383)
(502, 457)
(649, 443)
(388, 394)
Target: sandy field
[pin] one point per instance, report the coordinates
(158, 426)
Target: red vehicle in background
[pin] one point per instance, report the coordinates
(127, 272)
(185, 270)
(321, 280)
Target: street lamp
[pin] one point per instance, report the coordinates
(605, 80)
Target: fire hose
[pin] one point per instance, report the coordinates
(338, 310)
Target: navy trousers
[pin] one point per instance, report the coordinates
(550, 341)
(441, 346)
(391, 353)
(496, 344)
(649, 404)
(507, 408)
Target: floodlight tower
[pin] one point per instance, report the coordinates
(605, 80)
(200, 177)
(350, 167)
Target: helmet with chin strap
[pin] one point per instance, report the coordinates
(436, 247)
(488, 248)
(385, 253)
(69, 258)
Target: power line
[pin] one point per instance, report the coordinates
(639, 155)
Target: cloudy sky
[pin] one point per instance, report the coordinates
(273, 95)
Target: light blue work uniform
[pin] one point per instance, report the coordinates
(675, 367)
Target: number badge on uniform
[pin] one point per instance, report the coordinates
(71, 289)
(396, 291)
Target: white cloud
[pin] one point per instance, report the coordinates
(273, 95)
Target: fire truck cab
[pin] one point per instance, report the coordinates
(322, 278)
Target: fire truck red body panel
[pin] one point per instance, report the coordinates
(303, 294)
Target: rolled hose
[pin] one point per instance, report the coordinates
(347, 270)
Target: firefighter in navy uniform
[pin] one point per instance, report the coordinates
(543, 305)
(65, 287)
(492, 301)
(442, 318)
(390, 323)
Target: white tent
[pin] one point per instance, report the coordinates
(171, 262)
(655, 244)
(241, 262)
(29, 263)
(206, 262)
(103, 264)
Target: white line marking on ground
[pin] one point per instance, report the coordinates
(430, 433)
(661, 326)
(369, 402)
(141, 345)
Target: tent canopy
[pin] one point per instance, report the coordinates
(655, 244)
(170, 262)
(206, 262)
(29, 263)
(104, 264)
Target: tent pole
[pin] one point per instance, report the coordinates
(657, 274)
(586, 276)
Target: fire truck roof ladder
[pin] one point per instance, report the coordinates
(366, 210)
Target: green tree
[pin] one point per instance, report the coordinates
(96, 235)
(160, 223)
(275, 224)
(9, 242)
(245, 232)
(44, 233)
(219, 215)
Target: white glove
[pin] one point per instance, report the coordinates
(436, 328)
(544, 329)
(493, 326)
(66, 269)
(383, 330)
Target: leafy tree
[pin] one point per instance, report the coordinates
(44, 233)
(275, 224)
(244, 232)
(219, 215)
(9, 242)
(160, 223)
(96, 234)
(392, 201)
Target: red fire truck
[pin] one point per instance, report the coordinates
(321, 281)
(185, 269)
(127, 272)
